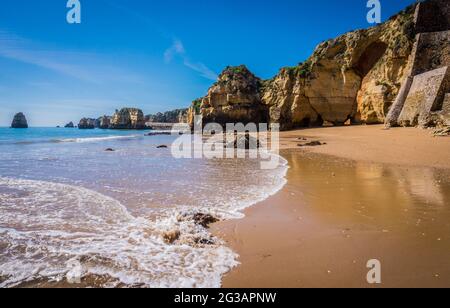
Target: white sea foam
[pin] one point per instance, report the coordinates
(45, 227)
(97, 139)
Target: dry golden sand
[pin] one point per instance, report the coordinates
(411, 146)
(368, 193)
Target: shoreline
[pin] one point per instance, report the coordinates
(314, 234)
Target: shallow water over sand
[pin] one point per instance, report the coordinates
(69, 209)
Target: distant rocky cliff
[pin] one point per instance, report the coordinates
(128, 118)
(173, 116)
(355, 78)
(86, 123)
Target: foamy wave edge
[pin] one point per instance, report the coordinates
(221, 258)
(207, 264)
(96, 139)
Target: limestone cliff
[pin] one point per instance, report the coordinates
(128, 118)
(86, 123)
(173, 116)
(355, 78)
(103, 122)
(235, 97)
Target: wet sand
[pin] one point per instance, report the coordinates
(367, 194)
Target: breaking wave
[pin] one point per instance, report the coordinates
(46, 227)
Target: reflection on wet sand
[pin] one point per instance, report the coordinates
(385, 195)
(334, 215)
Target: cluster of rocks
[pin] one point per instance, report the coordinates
(194, 236)
(244, 142)
(174, 116)
(86, 123)
(368, 76)
(126, 118)
(19, 121)
(133, 118)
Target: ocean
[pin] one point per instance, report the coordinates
(70, 210)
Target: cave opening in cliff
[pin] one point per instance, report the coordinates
(369, 58)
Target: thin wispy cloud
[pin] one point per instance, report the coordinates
(177, 50)
(81, 66)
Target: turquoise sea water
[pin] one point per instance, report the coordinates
(35, 135)
(70, 209)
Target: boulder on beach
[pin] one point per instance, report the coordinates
(244, 142)
(19, 121)
(204, 220)
(312, 144)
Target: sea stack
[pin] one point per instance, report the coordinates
(104, 122)
(128, 118)
(86, 123)
(70, 125)
(19, 121)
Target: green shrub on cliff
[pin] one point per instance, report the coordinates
(302, 70)
(197, 105)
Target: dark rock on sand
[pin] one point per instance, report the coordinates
(110, 150)
(441, 132)
(162, 147)
(245, 142)
(158, 134)
(19, 121)
(312, 144)
(204, 220)
(171, 236)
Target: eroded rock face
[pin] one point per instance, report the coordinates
(19, 121)
(86, 123)
(362, 77)
(174, 116)
(128, 118)
(287, 102)
(235, 97)
(104, 122)
(69, 125)
(354, 78)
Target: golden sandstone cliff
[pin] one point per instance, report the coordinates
(366, 76)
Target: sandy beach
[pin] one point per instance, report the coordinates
(368, 193)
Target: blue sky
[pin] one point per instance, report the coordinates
(155, 55)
